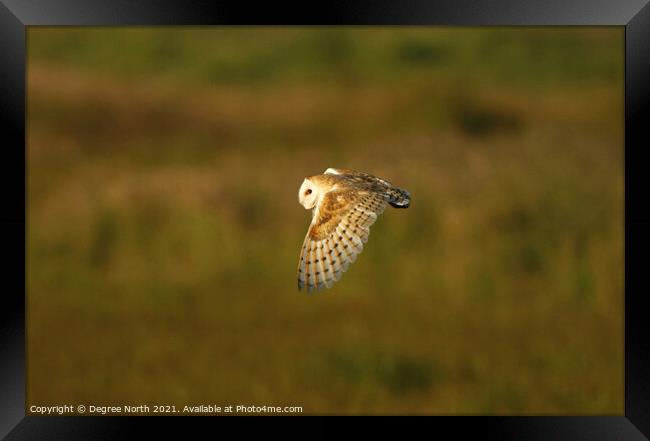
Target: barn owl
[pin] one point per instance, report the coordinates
(344, 204)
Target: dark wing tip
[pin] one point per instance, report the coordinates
(400, 199)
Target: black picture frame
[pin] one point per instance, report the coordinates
(633, 15)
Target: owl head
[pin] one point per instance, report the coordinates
(308, 194)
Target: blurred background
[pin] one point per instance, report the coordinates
(164, 227)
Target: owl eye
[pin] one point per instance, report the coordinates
(308, 191)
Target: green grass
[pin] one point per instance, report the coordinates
(164, 228)
(530, 57)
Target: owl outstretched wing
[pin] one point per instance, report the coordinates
(339, 228)
(358, 176)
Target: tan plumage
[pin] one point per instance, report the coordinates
(345, 204)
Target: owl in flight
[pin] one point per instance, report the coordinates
(344, 204)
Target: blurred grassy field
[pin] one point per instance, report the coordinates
(164, 228)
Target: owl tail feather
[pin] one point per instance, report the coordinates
(399, 198)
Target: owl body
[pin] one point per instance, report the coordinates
(345, 204)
